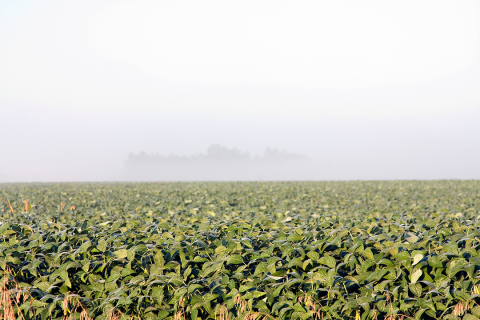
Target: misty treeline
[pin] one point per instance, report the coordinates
(218, 163)
(215, 154)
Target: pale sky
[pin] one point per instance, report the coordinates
(365, 86)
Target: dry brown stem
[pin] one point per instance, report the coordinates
(460, 309)
(113, 315)
(223, 313)
(6, 301)
(180, 314)
(73, 301)
(9, 205)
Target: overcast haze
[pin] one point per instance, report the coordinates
(366, 90)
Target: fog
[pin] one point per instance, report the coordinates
(357, 90)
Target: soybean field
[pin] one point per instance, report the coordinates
(240, 250)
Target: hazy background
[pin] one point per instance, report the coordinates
(367, 90)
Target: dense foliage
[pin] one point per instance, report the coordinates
(280, 250)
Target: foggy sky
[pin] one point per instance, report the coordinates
(369, 90)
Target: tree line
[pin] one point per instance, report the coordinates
(216, 153)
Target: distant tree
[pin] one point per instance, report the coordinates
(218, 152)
